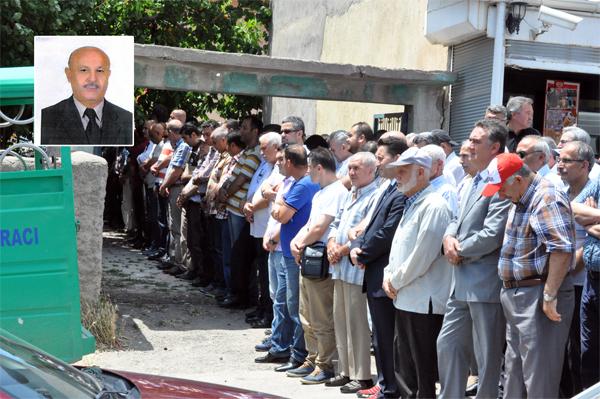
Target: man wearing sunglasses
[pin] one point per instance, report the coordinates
(535, 153)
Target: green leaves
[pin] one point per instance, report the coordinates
(238, 26)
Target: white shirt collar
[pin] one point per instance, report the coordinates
(81, 109)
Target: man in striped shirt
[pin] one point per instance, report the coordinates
(234, 192)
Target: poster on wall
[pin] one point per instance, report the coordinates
(562, 106)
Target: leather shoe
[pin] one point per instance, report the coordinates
(260, 323)
(187, 275)
(292, 364)
(271, 358)
(356, 385)
(337, 381)
(175, 270)
(229, 302)
(200, 282)
(157, 255)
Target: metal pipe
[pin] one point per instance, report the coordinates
(499, 53)
(10, 149)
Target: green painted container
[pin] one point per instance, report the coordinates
(39, 280)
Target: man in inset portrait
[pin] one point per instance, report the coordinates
(87, 118)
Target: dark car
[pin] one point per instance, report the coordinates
(29, 373)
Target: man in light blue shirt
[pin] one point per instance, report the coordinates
(352, 333)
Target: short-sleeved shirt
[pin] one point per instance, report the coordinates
(539, 224)
(165, 151)
(181, 154)
(327, 201)
(580, 232)
(268, 174)
(273, 225)
(248, 162)
(591, 246)
(203, 168)
(299, 197)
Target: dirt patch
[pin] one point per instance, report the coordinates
(168, 327)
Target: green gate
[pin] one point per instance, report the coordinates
(39, 280)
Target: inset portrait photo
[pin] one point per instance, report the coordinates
(83, 90)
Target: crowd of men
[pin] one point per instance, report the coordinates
(485, 263)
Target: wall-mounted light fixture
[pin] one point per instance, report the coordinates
(516, 13)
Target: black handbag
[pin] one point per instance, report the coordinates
(314, 263)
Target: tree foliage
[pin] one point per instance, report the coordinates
(237, 26)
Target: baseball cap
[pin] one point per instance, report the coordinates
(440, 136)
(499, 170)
(412, 156)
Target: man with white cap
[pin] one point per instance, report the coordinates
(537, 294)
(418, 276)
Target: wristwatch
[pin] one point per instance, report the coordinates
(548, 297)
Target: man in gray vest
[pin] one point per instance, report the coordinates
(472, 242)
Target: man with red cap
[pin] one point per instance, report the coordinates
(537, 295)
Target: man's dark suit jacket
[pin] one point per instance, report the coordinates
(376, 241)
(61, 125)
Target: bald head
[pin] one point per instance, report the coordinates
(88, 71)
(178, 114)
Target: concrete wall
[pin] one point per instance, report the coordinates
(383, 33)
(89, 184)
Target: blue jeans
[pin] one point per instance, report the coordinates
(299, 351)
(590, 330)
(281, 326)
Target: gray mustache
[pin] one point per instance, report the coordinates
(91, 86)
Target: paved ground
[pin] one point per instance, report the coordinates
(170, 328)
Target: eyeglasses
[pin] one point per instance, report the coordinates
(173, 130)
(286, 131)
(523, 154)
(567, 160)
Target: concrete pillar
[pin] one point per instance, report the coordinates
(89, 185)
(427, 111)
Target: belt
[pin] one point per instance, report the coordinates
(530, 282)
(594, 275)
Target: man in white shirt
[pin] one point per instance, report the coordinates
(451, 164)
(316, 295)
(418, 277)
(257, 210)
(437, 179)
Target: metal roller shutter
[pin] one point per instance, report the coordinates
(470, 95)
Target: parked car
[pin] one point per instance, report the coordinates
(29, 373)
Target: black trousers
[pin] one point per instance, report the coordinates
(151, 221)
(163, 226)
(198, 241)
(243, 254)
(137, 193)
(415, 349)
(383, 315)
(265, 303)
(216, 250)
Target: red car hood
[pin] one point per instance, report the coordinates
(158, 387)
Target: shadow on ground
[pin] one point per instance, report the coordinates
(148, 299)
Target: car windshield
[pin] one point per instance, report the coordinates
(27, 373)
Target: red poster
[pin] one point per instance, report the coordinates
(561, 108)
